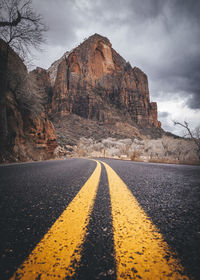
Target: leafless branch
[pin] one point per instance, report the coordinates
(13, 22)
(20, 27)
(194, 135)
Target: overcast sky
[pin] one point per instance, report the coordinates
(161, 37)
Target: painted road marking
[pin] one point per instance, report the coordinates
(141, 252)
(56, 256)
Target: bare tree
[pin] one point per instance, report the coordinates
(20, 28)
(193, 134)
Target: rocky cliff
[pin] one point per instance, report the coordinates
(31, 135)
(93, 79)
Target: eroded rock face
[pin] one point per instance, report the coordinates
(93, 76)
(29, 137)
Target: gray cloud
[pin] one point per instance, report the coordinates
(62, 20)
(172, 54)
(163, 114)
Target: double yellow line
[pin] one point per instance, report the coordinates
(140, 251)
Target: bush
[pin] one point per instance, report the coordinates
(135, 155)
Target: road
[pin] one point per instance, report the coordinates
(104, 219)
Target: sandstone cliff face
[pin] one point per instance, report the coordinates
(29, 137)
(93, 77)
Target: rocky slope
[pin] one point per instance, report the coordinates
(30, 136)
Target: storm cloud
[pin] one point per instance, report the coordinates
(160, 37)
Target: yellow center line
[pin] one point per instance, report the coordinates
(141, 252)
(58, 253)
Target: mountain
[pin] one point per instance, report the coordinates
(93, 78)
(97, 94)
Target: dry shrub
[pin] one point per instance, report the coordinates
(81, 152)
(135, 155)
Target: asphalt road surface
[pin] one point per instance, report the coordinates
(105, 219)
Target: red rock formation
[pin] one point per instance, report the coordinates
(94, 76)
(28, 137)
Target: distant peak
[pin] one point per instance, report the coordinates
(98, 37)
